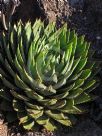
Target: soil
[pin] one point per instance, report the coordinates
(86, 18)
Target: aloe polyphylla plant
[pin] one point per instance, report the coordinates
(48, 73)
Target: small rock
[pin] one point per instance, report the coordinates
(98, 37)
(18, 134)
(30, 134)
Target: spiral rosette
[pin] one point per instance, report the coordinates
(48, 74)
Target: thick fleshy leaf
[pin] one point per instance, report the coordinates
(42, 120)
(85, 74)
(8, 84)
(81, 65)
(78, 83)
(70, 108)
(48, 102)
(23, 117)
(89, 84)
(60, 104)
(29, 124)
(60, 117)
(82, 99)
(19, 96)
(50, 125)
(33, 106)
(75, 93)
(35, 115)
(29, 92)
(62, 95)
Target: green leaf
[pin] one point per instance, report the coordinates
(28, 30)
(72, 35)
(85, 74)
(34, 113)
(81, 47)
(64, 78)
(48, 102)
(9, 68)
(81, 65)
(79, 83)
(75, 77)
(61, 96)
(50, 29)
(73, 67)
(29, 92)
(13, 40)
(60, 117)
(29, 124)
(50, 126)
(42, 120)
(75, 93)
(20, 56)
(83, 98)
(70, 108)
(67, 88)
(23, 117)
(58, 105)
(8, 84)
(33, 106)
(19, 96)
(74, 43)
(89, 84)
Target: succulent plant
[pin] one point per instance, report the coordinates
(47, 73)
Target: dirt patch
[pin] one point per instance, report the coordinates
(87, 20)
(86, 128)
(47, 10)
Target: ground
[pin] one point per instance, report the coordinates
(86, 18)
